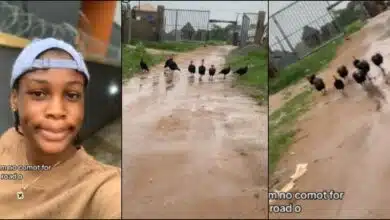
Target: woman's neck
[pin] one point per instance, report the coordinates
(36, 156)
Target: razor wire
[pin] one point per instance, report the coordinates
(17, 22)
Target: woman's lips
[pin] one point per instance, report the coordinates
(54, 135)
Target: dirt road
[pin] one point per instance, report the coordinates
(198, 150)
(347, 142)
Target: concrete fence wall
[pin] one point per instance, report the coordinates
(143, 30)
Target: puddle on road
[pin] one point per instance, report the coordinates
(206, 125)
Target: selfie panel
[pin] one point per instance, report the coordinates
(60, 98)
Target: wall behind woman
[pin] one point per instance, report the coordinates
(54, 12)
(64, 11)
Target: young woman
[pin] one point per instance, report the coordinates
(44, 172)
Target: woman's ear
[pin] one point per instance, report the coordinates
(13, 100)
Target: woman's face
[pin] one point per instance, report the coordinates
(50, 104)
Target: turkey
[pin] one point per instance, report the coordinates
(168, 61)
(364, 66)
(201, 70)
(339, 85)
(355, 62)
(361, 65)
(359, 76)
(143, 66)
(342, 71)
(317, 82)
(241, 71)
(192, 68)
(377, 59)
(171, 64)
(225, 71)
(212, 71)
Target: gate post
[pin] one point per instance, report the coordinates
(129, 17)
(259, 27)
(177, 17)
(208, 28)
(160, 26)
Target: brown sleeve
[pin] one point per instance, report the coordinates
(8, 140)
(107, 200)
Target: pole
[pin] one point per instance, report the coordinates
(177, 16)
(130, 18)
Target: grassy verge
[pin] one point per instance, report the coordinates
(177, 46)
(312, 63)
(256, 80)
(281, 126)
(131, 58)
(353, 27)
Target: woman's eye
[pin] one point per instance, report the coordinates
(37, 94)
(73, 96)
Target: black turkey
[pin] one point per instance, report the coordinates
(212, 71)
(318, 83)
(225, 71)
(143, 66)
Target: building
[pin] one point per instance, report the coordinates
(146, 22)
(145, 11)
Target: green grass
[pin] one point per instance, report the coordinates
(215, 43)
(353, 27)
(310, 64)
(281, 126)
(177, 46)
(256, 80)
(131, 58)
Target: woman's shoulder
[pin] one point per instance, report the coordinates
(9, 136)
(106, 201)
(96, 168)
(8, 139)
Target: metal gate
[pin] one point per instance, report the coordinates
(220, 33)
(244, 30)
(185, 25)
(314, 27)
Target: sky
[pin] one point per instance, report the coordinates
(118, 14)
(312, 13)
(222, 10)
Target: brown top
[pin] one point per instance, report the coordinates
(80, 187)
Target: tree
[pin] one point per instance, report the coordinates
(188, 31)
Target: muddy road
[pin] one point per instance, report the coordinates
(196, 150)
(346, 140)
